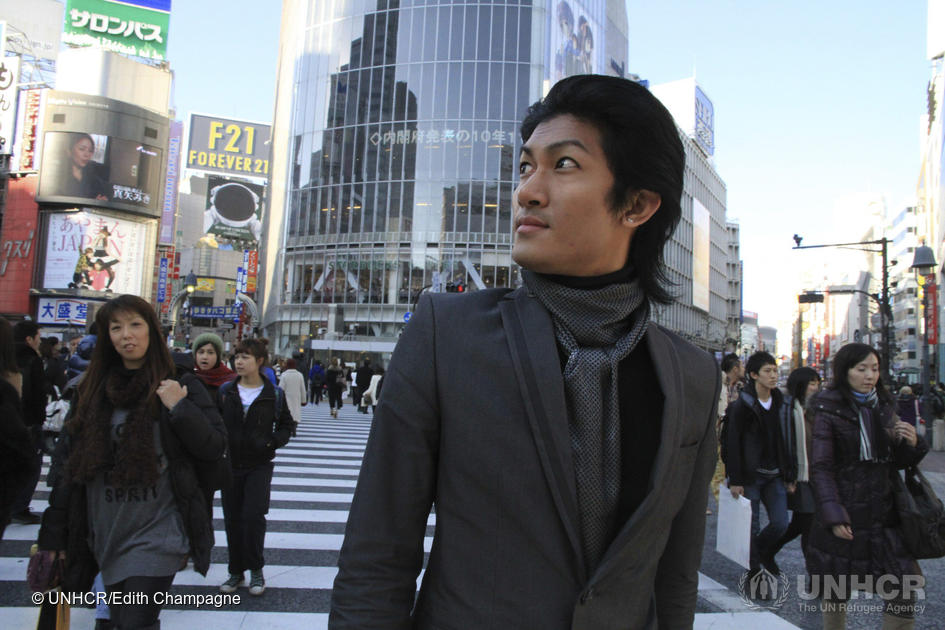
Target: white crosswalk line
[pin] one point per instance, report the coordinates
(326, 455)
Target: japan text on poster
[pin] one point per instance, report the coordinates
(131, 27)
(576, 38)
(233, 209)
(92, 251)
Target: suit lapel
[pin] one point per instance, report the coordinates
(668, 373)
(530, 334)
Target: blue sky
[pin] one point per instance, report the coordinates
(814, 102)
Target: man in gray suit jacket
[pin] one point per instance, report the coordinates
(565, 440)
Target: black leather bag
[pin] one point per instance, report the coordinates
(921, 514)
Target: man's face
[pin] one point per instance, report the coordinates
(563, 222)
(34, 341)
(767, 376)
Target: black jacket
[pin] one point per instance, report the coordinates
(30, 365)
(193, 437)
(746, 439)
(255, 437)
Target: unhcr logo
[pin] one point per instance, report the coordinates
(761, 590)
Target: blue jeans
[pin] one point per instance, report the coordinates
(769, 490)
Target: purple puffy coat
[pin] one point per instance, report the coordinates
(857, 493)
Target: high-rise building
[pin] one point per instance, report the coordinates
(394, 145)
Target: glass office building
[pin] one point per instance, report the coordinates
(402, 140)
(395, 143)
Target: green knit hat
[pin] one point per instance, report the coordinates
(210, 338)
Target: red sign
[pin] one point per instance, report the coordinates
(817, 355)
(28, 139)
(18, 244)
(931, 313)
(826, 346)
(253, 262)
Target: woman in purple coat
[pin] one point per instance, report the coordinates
(859, 443)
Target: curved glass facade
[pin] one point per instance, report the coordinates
(404, 140)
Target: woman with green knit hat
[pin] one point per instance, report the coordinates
(208, 364)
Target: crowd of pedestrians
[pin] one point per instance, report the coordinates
(828, 455)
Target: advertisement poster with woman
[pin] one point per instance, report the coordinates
(114, 172)
(577, 40)
(85, 250)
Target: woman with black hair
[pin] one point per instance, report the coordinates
(79, 177)
(258, 422)
(797, 428)
(859, 443)
(130, 503)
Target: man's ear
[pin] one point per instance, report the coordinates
(643, 205)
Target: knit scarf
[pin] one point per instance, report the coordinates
(800, 444)
(215, 376)
(133, 462)
(597, 328)
(865, 404)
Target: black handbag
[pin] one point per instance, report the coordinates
(921, 514)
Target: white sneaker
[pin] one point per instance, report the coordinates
(257, 585)
(232, 584)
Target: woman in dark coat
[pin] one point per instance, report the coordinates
(858, 444)
(797, 427)
(129, 503)
(335, 377)
(15, 441)
(258, 422)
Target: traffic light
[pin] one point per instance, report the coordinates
(460, 287)
(457, 287)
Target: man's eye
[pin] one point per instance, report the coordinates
(566, 162)
(524, 168)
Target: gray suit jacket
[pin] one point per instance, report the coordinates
(473, 420)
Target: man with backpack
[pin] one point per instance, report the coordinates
(756, 460)
(316, 379)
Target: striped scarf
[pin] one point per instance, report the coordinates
(865, 403)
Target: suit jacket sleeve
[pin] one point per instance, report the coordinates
(677, 577)
(382, 553)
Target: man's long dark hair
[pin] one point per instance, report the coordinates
(847, 358)
(643, 150)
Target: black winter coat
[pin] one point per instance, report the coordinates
(746, 435)
(193, 436)
(30, 365)
(254, 438)
(856, 493)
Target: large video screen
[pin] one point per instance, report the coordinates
(114, 172)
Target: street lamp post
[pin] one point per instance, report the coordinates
(885, 311)
(923, 264)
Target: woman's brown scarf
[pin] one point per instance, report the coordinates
(134, 461)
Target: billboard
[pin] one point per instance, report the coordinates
(704, 129)
(102, 152)
(9, 77)
(233, 147)
(130, 27)
(19, 240)
(28, 128)
(701, 225)
(62, 311)
(233, 209)
(169, 209)
(36, 27)
(576, 42)
(87, 250)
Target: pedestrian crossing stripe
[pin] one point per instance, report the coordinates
(326, 455)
